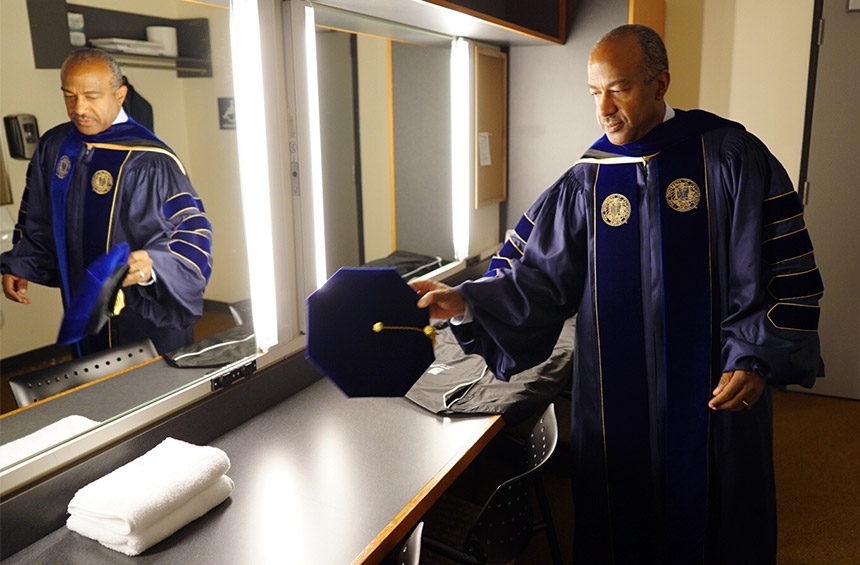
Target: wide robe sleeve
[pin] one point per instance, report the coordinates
(772, 286)
(33, 255)
(163, 215)
(519, 313)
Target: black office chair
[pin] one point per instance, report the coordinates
(410, 552)
(241, 312)
(38, 385)
(500, 530)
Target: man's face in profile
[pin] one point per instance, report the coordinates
(91, 101)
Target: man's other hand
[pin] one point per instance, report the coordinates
(15, 288)
(139, 268)
(444, 302)
(737, 390)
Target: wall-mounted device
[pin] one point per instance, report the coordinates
(5, 191)
(22, 133)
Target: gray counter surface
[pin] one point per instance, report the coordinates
(320, 479)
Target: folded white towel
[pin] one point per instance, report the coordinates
(141, 492)
(139, 542)
(49, 436)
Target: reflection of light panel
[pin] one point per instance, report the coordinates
(254, 166)
(275, 485)
(461, 96)
(315, 145)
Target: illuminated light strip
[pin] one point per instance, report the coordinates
(254, 166)
(317, 202)
(391, 172)
(461, 154)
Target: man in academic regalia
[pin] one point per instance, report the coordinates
(679, 243)
(99, 180)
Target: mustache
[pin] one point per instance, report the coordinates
(81, 117)
(609, 120)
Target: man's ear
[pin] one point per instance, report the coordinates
(662, 84)
(120, 94)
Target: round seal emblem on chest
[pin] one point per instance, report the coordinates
(615, 210)
(63, 167)
(683, 195)
(102, 182)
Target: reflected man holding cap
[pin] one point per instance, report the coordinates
(101, 179)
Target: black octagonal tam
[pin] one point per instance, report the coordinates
(366, 334)
(97, 297)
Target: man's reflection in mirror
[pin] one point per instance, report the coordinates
(101, 179)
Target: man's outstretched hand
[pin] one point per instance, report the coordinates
(444, 302)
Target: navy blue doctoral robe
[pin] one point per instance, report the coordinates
(123, 185)
(658, 477)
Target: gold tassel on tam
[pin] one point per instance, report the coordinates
(427, 330)
(119, 304)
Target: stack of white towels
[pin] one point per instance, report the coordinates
(146, 500)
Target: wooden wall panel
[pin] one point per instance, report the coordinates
(491, 126)
(651, 13)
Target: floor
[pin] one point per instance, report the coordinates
(817, 467)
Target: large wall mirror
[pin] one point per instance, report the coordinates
(388, 106)
(192, 113)
(385, 121)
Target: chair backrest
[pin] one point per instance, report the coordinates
(504, 526)
(241, 312)
(410, 553)
(542, 439)
(38, 385)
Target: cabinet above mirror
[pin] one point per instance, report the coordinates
(542, 19)
(499, 22)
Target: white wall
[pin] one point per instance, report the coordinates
(26, 90)
(755, 60)
(551, 114)
(421, 110)
(161, 88)
(833, 198)
(213, 157)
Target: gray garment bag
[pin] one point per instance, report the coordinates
(459, 383)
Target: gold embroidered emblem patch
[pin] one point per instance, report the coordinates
(63, 167)
(683, 195)
(615, 210)
(102, 182)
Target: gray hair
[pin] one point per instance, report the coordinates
(88, 54)
(654, 58)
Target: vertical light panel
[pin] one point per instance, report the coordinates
(254, 166)
(461, 96)
(315, 146)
